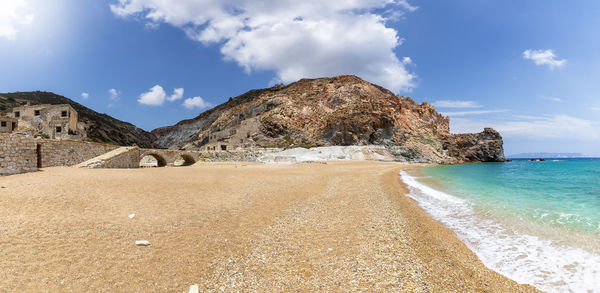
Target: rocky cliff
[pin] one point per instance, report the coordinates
(343, 110)
(100, 127)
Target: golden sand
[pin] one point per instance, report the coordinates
(231, 227)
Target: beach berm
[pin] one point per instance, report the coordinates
(340, 226)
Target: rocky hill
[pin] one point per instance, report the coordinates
(100, 127)
(343, 110)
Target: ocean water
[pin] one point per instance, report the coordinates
(534, 222)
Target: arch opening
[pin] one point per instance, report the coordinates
(183, 160)
(152, 160)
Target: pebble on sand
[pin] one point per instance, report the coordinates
(132, 216)
(194, 289)
(142, 242)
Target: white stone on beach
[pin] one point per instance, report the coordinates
(132, 216)
(142, 242)
(194, 289)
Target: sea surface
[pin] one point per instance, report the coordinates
(534, 222)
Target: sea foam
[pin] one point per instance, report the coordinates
(524, 258)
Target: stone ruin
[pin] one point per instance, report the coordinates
(8, 124)
(48, 121)
(21, 153)
(237, 137)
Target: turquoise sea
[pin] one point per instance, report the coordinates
(535, 222)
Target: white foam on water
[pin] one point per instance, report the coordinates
(524, 258)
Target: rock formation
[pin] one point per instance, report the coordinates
(343, 110)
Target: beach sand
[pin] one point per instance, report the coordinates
(343, 226)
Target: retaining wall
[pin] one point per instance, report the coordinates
(123, 157)
(17, 154)
(69, 152)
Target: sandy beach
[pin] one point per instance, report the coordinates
(343, 226)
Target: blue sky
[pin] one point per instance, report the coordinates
(527, 68)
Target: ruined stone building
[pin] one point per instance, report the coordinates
(54, 121)
(237, 137)
(8, 124)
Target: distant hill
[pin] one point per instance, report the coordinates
(343, 110)
(545, 155)
(100, 127)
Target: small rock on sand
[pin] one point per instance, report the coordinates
(132, 216)
(194, 289)
(142, 242)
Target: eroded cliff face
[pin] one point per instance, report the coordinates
(343, 110)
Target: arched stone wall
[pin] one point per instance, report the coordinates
(184, 159)
(161, 160)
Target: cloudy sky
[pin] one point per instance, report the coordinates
(530, 69)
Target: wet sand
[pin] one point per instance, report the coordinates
(343, 226)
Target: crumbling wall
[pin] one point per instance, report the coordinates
(17, 154)
(69, 152)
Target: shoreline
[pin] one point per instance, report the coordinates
(232, 226)
(439, 235)
(548, 255)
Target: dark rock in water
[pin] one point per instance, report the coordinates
(485, 146)
(542, 160)
(533, 160)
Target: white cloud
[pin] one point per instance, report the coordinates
(114, 94)
(155, 97)
(196, 102)
(407, 6)
(85, 95)
(456, 104)
(544, 57)
(177, 94)
(465, 113)
(595, 108)
(552, 99)
(534, 127)
(12, 15)
(295, 39)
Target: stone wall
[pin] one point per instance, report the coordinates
(20, 154)
(122, 157)
(17, 154)
(69, 152)
(130, 159)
